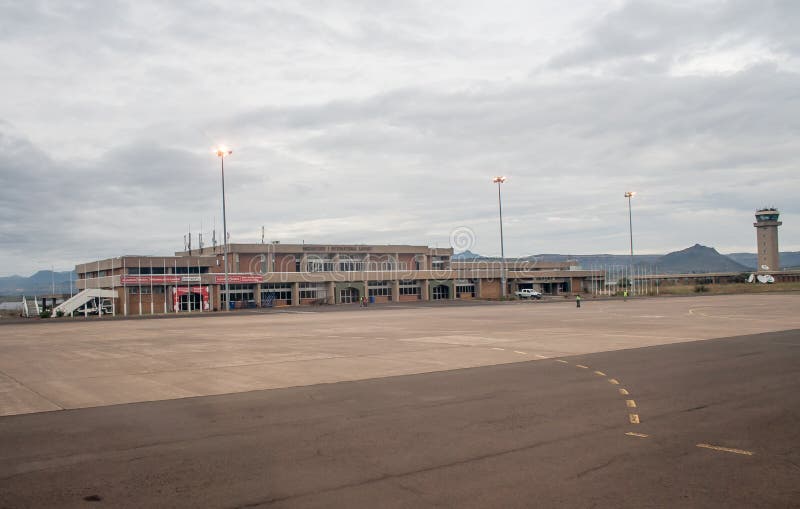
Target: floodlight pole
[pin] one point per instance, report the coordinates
(629, 195)
(499, 181)
(222, 152)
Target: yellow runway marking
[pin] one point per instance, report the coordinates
(640, 435)
(613, 381)
(725, 449)
(501, 349)
(599, 373)
(561, 361)
(631, 403)
(521, 353)
(540, 356)
(581, 366)
(624, 392)
(634, 418)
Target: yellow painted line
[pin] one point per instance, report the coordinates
(640, 435)
(521, 353)
(581, 366)
(501, 349)
(599, 373)
(631, 403)
(624, 392)
(540, 356)
(725, 449)
(562, 361)
(634, 418)
(613, 381)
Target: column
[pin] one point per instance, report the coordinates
(425, 289)
(257, 296)
(295, 294)
(396, 290)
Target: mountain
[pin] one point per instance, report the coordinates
(37, 284)
(750, 260)
(598, 260)
(697, 259)
(466, 255)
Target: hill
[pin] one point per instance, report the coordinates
(37, 284)
(698, 259)
(750, 260)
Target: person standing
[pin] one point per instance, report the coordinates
(625, 295)
(578, 301)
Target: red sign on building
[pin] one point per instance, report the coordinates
(147, 280)
(239, 278)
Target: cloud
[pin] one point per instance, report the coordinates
(714, 35)
(357, 123)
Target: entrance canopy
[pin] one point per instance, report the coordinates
(180, 291)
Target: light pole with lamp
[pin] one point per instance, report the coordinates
(223, 151)
(629, 195)
(499, 181)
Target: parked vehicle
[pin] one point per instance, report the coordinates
(91, 308)
(527, 293)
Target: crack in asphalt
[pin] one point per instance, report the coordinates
(594, 469)
(401, 475)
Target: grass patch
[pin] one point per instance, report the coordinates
(732, 288)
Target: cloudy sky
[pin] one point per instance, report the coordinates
(383, 122)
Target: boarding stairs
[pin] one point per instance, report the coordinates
(30, 308)
(81, 298)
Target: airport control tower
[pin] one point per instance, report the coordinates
(767, 237)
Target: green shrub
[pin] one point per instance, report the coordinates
(44, 313)
(700, 288)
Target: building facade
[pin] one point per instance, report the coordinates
(271, 275)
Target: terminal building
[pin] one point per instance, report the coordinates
(275, 274)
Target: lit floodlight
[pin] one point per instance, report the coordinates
(223, 151)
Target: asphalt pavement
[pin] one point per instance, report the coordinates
(712, 423)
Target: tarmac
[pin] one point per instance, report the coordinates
(89, 363)
(717, 426)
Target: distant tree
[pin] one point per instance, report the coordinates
(740, 278)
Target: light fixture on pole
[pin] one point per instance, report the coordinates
(223, 151)
(499, 181)
(629, 195)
